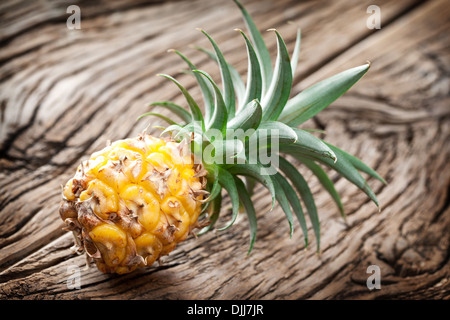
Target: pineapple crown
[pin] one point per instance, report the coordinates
(263, 105)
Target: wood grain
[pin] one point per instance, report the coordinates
(64, 93)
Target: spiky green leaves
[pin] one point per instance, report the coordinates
(228, 90)
(266, 118)
(219, 117)
(260, 47)
(247, 118)
(195, 110)
(311, 101)
(295, 54)
(254, 86)
(247, 205)
(277, 95)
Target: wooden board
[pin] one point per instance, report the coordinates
(64, 93)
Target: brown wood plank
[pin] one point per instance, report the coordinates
(61, 102)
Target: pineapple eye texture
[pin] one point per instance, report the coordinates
(133, 215)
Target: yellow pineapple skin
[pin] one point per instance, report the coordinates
(133, 202)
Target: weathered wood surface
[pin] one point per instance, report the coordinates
(64, 93)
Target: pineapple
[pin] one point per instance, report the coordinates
(134, 201)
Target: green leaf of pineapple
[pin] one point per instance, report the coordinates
(314, 99)
(260, 47)
(325, 181)
(238, 84)
(249, 210)
(269, 130)
(208, 97)
(248, 117)
(254, 79)
(226, 180)
(295, 204)
(195, 110)
(346, 169)
(282, 199)
(227, 82)
(274, 100)
(358, 164)
(302, 188)
(214, 213)
(308, 145)
(257, 172)
(178, 110)
(219, 117)
(158, 115)
(295, 54)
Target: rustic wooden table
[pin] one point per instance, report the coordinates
(64, 93)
